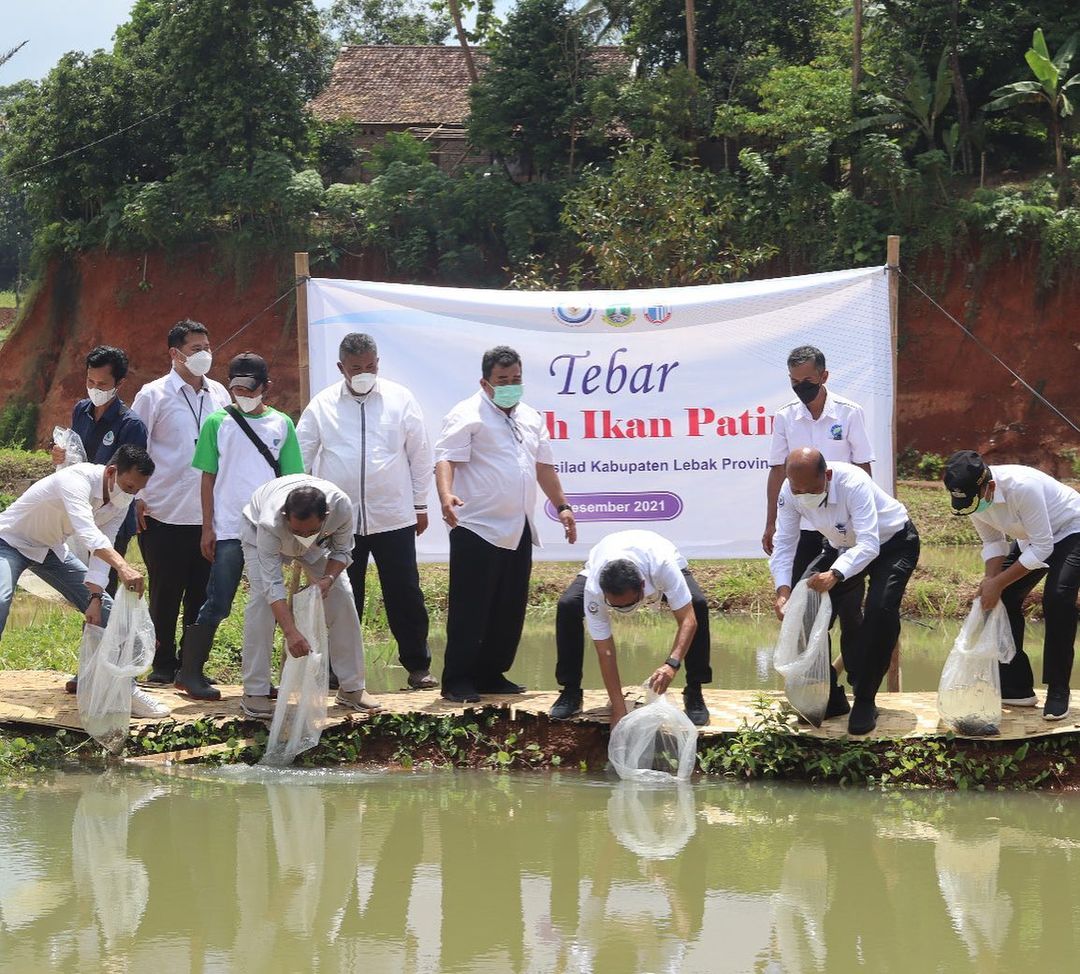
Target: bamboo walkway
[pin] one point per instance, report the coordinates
(37, 697)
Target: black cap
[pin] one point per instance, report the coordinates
(248, 365)
(965, 473)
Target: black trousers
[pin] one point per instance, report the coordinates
(570, 635)
(888, 574)
(395, 559)
(848, 610)
(489, 589)
(177, 573)
(1059, 611)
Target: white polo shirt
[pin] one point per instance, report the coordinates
(67, 504)
(1030, 506)
(174, 414)
(495, 457)
(857, 518)
(659, 561)
(839, 433)
(375, 448)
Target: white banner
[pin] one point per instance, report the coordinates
(659, 402)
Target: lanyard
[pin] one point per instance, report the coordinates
(191, 409)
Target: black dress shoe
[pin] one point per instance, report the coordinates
(863, 717)
(500, 684)
(694, 705)
(568, 704)
(460, 694)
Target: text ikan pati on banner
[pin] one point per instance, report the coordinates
(659, 403)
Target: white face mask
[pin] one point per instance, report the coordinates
(362, 383)
(807, 502)
(198, 363)
(99, 397)
(120, 498)
(248, 404)
(307, 542)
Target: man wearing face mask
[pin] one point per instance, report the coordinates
(104, 424)
(88, 502)
(300, 518)
(240, 448)
(366, 434)
(168, 512)
(624, 571)
(868, 539)
(492, 452)
(1043, 516)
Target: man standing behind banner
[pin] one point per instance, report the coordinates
(868, 536)
(367, 436)
(491, 453)
(169, 511)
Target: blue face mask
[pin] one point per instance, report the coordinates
(507, 397)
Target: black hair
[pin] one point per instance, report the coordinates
(500, 355)
(822, 466)
(115, 358)
(129, 456)
(619, 577)
(305, 502)
(179, 332)
(357, 343)
(806, 353)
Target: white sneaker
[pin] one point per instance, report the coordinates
(1031, 701)
(144, 705)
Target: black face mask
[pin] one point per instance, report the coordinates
(806, 390)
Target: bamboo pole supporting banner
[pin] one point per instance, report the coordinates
(303, 272)
(892, 268)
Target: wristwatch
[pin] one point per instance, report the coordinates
(564, 507)
(837, 574)
(673, 663)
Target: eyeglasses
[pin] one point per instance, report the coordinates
(514, 428)
(626, 608)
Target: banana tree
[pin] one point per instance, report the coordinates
(1050, 89)
(921, 103)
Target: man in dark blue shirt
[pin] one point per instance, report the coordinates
(104, 424)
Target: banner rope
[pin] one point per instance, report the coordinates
(989, 351)
(247, 324)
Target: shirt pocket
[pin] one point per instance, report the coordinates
(385, 443)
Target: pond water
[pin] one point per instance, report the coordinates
(452, 871)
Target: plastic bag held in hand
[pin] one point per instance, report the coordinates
(656, 742)
(300, 713)
(802, 652)
(109, 660)
(71, 444)
(969, 694)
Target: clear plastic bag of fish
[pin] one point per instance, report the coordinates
(656, 742)
(74, 452)
(109, 661)
(801, 656)
(300, 711)
(969, 694)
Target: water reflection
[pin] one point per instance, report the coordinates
(491, 873)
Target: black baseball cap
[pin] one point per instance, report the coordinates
(965, 473)
(248, 371)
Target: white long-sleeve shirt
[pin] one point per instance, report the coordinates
(375, 448)
(267, 530)
(857, 518)
(67, 504)
(495, 457)
(1030, 506)
(174, 414)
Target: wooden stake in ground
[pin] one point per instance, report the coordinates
(892, 268)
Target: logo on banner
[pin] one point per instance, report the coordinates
(573, 316)
(619, 316)
(658, 314)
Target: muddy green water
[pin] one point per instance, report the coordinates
(478, 872)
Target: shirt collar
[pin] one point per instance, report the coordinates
(175, 382)
(491, 403)
(803, 411)
(346, 393)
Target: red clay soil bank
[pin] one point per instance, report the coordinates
(951, 394)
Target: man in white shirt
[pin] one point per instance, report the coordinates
(1043, 516)
(87, 502)
(303, 519)
(366, 434)
(625, 570)
(492, 452)
(168, 513)
(868, 537)
(836, 428)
